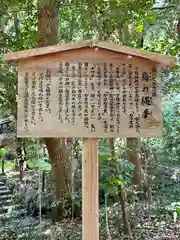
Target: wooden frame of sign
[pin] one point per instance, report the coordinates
(90, 90)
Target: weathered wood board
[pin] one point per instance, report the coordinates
(92, 96)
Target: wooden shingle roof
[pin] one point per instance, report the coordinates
(36, 52)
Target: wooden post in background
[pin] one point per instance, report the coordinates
(90, 189)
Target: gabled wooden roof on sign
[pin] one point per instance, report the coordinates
(31, 53)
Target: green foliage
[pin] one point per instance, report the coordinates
(178, 210)
(114, 172)
(167, 39)
(41, 163)
(167, 149)
(174, 207)
(34, 155)
(3, 151)
(7, 164)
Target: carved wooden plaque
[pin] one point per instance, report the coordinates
(96, 98)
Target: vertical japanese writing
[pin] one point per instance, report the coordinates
(92, 75)
(146, 99)
(111, 98)
(105, 96)
(117, 78)
(111, 87)
(86, 118)
(92, 99)
(48, 91)
(131, 113)
(26, 103)
(117, 98)
(60, 70)
(86, 96)
(99, 92)
(130, 86)
(67, 92)
(112, 110)
(40, 97)
(86, 75)
(73, 103)
(67, 68)
(79, 71)
(33, 99)
(137, 123)
(80, 90)
(118, 112)
(105, 103)
(137, 115)
(105, 110)
(73, 94)
(105, 126)
(146, 81)
(154, 84)
(60, 92)
(124, 91)
(136, 83)
(105, 74)
(67, 97)
(73, 68)
(92, 105)
(131, 120)
(60, 99)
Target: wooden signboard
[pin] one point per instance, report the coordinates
(104, 95)
(90, 90)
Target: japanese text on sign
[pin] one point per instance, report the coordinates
(89, 100)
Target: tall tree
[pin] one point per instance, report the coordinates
(121, 194)
(132, 143)
(48, 29)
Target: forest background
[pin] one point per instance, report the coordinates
(132, 171)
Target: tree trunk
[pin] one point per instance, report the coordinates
(2, 166)
(125, 215)
(25, 157)
(178, 28)
(111, 146)
(48, 29)
(61, 167)
(43, 181)
(133, 155)
(48, 22)
(19, 159)
(121, 194)
(147, 166)
(107, 220)
(132, 143)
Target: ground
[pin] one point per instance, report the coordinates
(157, 223)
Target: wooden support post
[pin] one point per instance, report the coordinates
(2, 166)
(90, 188)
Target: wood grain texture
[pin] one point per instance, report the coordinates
(51, 126)
(90, 189)
(152, 56)
(31, 53)
(86, 55)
